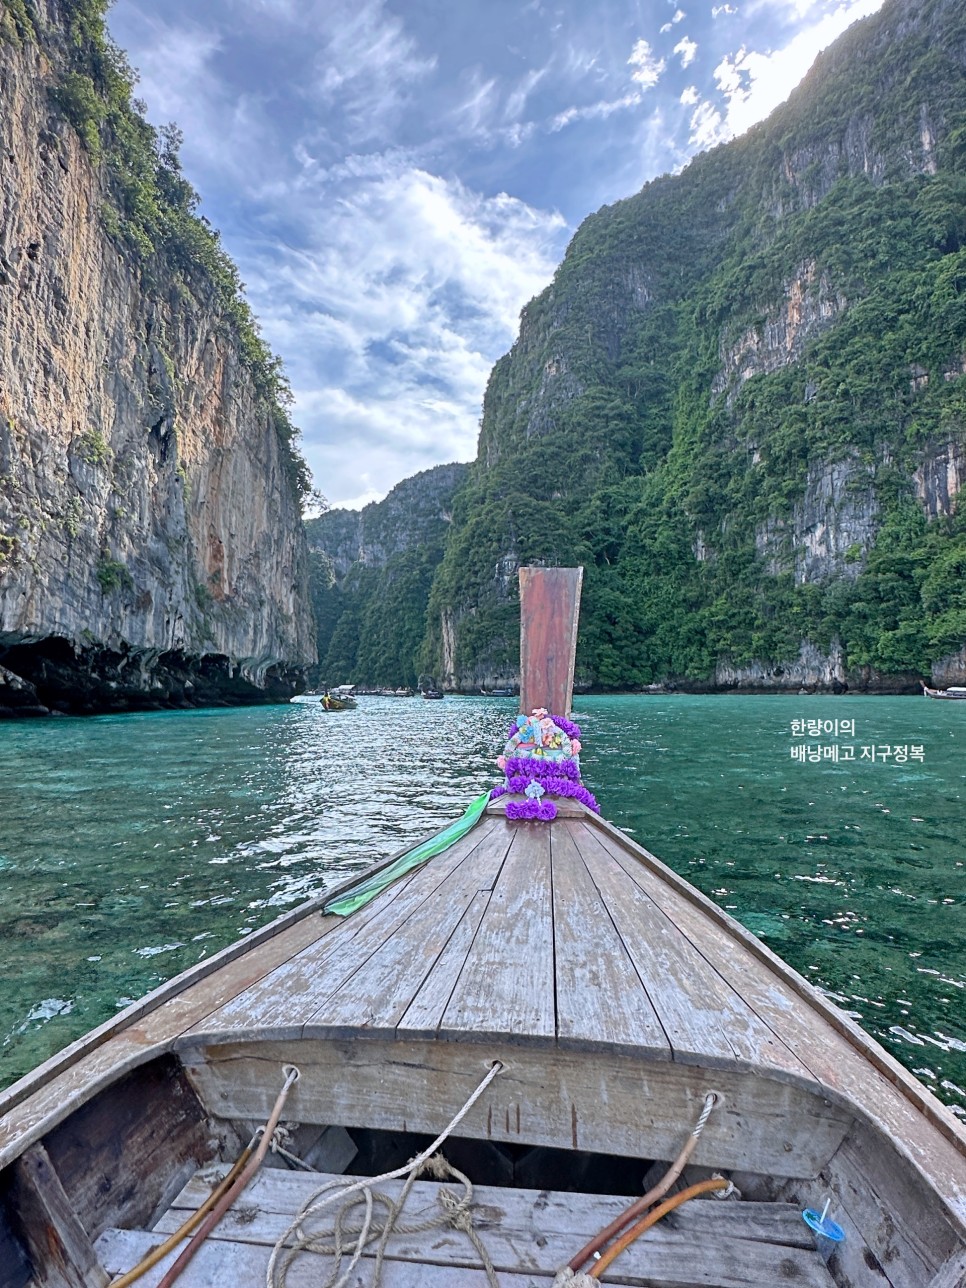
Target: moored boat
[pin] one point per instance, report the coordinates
(593, 1023)
(954, 691)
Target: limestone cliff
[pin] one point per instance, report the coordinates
(372, 573)
(741, 403)
(417, 510)
(151, 546)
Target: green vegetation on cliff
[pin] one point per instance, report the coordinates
(371, 576)
(734, 400)
(153, 209)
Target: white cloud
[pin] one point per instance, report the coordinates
(408, 287)
(345, 151)
(478, 105)
(687, 49)
(594, 111)
(752, 84)
(178, 80)
(517, 98)
(366, 65)
(647, 69)
(706, 127)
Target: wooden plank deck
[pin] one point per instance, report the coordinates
(529, 1234)
(565, 938)
(520, 932)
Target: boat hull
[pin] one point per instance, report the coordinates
(614, 996)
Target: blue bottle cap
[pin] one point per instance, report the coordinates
(827, 1229)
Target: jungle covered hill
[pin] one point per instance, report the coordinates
(741, 405)
(371, 572)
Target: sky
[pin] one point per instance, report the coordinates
(395, 179)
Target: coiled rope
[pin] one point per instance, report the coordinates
(341, 1236)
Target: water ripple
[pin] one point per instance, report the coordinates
(132, 846)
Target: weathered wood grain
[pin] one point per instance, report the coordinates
(841, 1069)
(13, 1254)
(603, 1102)
(745, 946)
(601, 1001)
(76, 1051)
(379, 990)
(114, 1155)
(506, 986)
(59, 1246)
(145, 1037)
(906, 1230)
(952, 1274)
(704, 1017)
(549, 609)
(534, 1232)
(283, 1002)
(566, 1217)
(424, 1015)
(242, 1266)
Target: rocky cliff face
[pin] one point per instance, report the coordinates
(417, 511)
(740, 402)
(372, 573)
(151, 548)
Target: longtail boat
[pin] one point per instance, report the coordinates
(525, 1053)
(954, 692)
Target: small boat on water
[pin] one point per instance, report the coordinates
(461, 1069)
(497, 693)
(341, 698)
(954, 691)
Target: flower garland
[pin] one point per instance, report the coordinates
(541, 759)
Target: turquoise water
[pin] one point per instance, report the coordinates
(132, 846)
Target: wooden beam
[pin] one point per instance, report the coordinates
(58, 1245)
(952, 1274)
(549, 609)
(567, 1099)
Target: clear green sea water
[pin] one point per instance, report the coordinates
(132, 846)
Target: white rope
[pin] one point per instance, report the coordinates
(568, 1278)
(710, 1100)
(333, 1191)
(732, 1190)
(281, 1134)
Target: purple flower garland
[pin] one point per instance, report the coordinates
(545, 811)
(556, 777)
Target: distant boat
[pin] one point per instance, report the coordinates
(339, 699)
(427, 687)
(954, 691)
(497, 693)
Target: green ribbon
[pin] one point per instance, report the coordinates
(359, 895)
